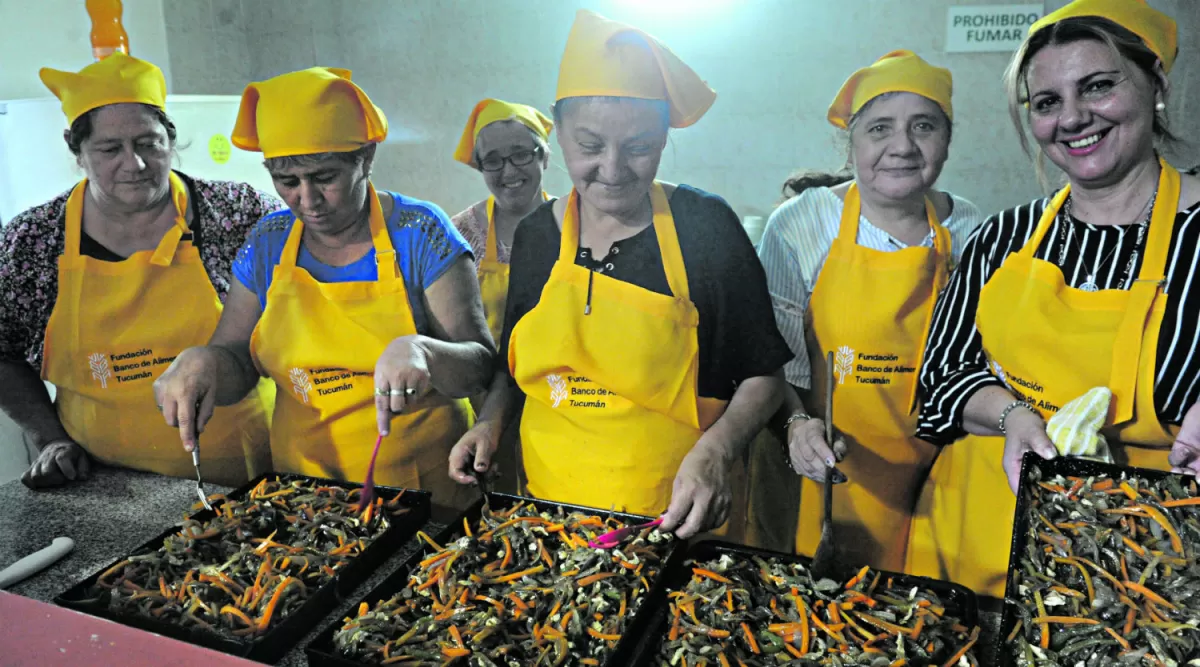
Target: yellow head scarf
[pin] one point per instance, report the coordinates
(1156, 29)
(899, 71)
(492, 110)
(317, 110)
(607, 58)
(117, 79)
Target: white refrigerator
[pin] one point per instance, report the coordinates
(35, 166)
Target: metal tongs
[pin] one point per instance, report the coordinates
(199, 480)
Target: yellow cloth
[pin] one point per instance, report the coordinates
(492, 110)
(894, 293)
(607, 58)
(899, 71)
(1075, 429)
(606, 422)
(317, 110)
(115, 327)
(1051, 343)
(118, 79)
(319, 342)
(1154, 27)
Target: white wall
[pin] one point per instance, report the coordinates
(775, 64)
(54, 33)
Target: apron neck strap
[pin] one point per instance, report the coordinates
(167, 245)
(1162, 224)
(491, 251)
(664, 229)
(852, 211)
(385, 254)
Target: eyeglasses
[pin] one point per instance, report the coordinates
(518, 159)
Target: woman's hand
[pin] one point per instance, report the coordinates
(701, 496)
(1185, 453)
(187, 393)
(401, 378)
(809, 453)
(1026, 433)
(59, 462)
(473, 453)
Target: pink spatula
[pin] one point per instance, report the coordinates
(613, 538)
(367, 494)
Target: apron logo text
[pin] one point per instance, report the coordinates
(844, 365)
(136, 367)
(304, 381)
(560, 390)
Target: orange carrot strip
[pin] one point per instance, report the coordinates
(709, 574)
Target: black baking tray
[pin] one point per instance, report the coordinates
(1063, 465)
(275, 642)
(959, 601)
(321, 651)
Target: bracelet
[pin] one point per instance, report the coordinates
(787, 450)
(1007, 409)
(796, 416)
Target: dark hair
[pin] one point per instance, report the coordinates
(1124, 43)
(81, 130)
(354, 157)
(806, 178)
(561, 107)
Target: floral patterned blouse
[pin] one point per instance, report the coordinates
(472, 223)
(223, 213)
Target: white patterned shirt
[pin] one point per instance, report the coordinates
(796, 241)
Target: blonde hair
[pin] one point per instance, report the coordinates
(1128, 47)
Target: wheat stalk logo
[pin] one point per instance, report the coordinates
(558, 388)
(843, 363)
(99, 365)
(300, 383)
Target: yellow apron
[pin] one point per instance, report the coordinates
(493, 277)
(1050, 343)
(319, 342)
(872, 309)
(115, 328)
(610, 373)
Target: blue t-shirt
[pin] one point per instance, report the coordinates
(426, 245)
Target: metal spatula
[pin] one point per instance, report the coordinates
(825, 561)
(199, 480)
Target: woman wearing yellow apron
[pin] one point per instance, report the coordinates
(362, 306)
(108, 282)
(855, 269)
(624, 327)
(1093, 287)
(506, 143)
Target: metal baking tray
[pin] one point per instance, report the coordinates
(958, 600)
(1033, 469)
(275, 642)
(321, 651)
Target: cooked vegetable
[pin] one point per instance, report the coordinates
(519, 588)
(1109, 573)
(754, 611)
(253, 564)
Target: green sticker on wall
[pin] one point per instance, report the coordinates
(219, 148)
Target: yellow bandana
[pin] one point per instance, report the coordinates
(899, 71)
(608, 58)
(317, 110)
(118, 79)
(1156, 29)
(492, 110)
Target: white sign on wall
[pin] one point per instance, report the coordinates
(989, 27)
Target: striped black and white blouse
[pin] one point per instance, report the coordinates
(955, 366)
